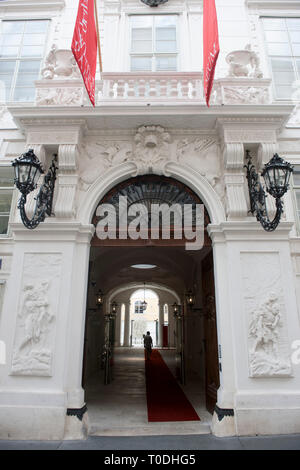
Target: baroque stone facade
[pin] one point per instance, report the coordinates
(152, 123)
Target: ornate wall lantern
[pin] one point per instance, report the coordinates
(99, 298)
(144, 303)
(154, 3)
(28, 169)
(190, 298)
(276, 175)
(177, 310)
(114, 307)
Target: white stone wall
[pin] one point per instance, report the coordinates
(202, 148)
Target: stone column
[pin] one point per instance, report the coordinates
(160, 324)
(171, 327)
(127, 325)
(118, 326)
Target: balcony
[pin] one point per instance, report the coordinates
(161, 88)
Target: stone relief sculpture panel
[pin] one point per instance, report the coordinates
(97, 157)
(244, 95)
(150, 149)
(268, 347)
(70, 96)
(35, 327)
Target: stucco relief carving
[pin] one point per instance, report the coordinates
(268, 346)
(246, 95)
(203, 154)
(151, 149)
(97, 157)
(60, 63)
(34, 337)
(244, 63)
(59, 96)
(264, 333)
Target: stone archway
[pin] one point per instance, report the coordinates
(188, 176)
(133, 187)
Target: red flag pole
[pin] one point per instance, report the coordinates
(84, 45)
(98, 37)
(211, 46)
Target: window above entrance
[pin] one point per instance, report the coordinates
(153, 43)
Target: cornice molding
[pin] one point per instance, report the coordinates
(17, 6)
(53, 230)
(105, 117)
(248, 229)
(274, 4)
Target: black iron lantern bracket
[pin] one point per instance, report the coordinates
(276, 174)
(28, 183)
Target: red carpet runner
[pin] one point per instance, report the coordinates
(165, 399)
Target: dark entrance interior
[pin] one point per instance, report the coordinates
(111, 265)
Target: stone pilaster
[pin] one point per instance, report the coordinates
(126, 341)
(118, 326)
(233, 154)
(67, 181)
(160, 324)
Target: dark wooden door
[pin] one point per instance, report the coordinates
(165, 336)
(210, 334)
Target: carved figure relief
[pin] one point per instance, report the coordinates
(252, 95)
(33, 345)
(151, 150)
(268, 344)
(202, 153)
(59, 96)
(264, 330)
(98, 157)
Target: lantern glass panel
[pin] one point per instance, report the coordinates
(280, 177)
(24, 172)
(35, 174)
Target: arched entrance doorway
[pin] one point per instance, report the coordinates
(114, 259)
(144, 316)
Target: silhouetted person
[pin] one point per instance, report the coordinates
(148, 343)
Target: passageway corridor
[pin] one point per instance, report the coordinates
(120, 408)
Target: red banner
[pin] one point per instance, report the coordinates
(211, 46)
(84, 45)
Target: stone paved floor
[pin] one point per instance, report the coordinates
(118, 413)
(120, 408)
(169, 443)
